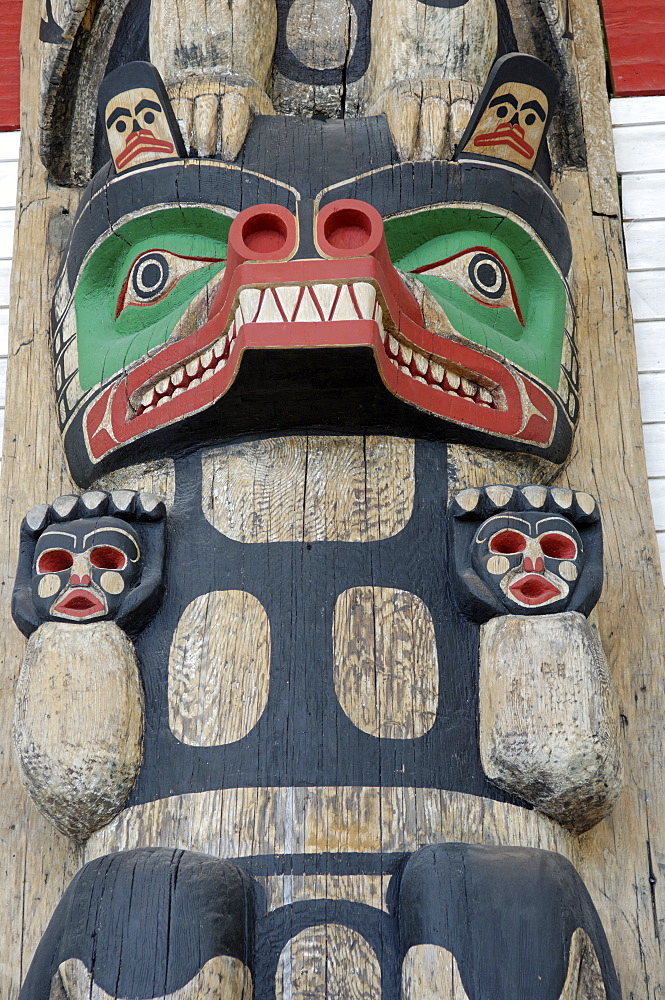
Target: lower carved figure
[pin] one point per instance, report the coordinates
(464, 922)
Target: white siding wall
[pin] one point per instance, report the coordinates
(639, 139)
(9, 142)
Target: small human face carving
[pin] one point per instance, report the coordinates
(512, 125)
(533, 560)
(83, 570)
(138, 129)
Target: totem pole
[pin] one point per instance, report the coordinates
(319, 696)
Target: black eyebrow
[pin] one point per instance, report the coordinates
(118, 113)
(145, 103)
(502, 100)
(535, 106)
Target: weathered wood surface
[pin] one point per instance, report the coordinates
(222, 976)
(622, 860)
(549, 722)
(78, 727)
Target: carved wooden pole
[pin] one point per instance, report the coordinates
(321, 414)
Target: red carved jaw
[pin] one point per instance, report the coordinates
(79, 603)
(353, 299)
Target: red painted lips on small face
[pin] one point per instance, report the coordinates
(79, 603)
(506, 135)
(533, 589)
(142, 141)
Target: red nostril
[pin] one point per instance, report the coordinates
(540, 565)
(349, 228)
(527, 565)
(74, 579)
(264, 233)
(85, 580)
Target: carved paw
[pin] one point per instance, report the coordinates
(426, 117)
(94, 557)
(214, 114)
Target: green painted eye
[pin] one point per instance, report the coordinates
(493, 279)
(137, 284)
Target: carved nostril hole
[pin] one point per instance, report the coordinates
(347, 229)
(264, 233)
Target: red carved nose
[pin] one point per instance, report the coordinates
(76, 580)
(529, 566)
(263, 232)
(349, 228)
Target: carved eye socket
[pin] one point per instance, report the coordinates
(502, 111)
(55, 561)
(507, 542)
(155, 274)
(108, 557)
(481, 274)
(530, 118)
(558, 546)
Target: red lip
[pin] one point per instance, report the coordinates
(506, 135)
(79, 603)
(533, 589)
(139, 142)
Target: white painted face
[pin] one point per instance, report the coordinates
(533, 559)
(84, 569)
(138, 129)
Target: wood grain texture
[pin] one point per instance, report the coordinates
(429, 972)
(78, 726)
(219, 668)
(549, 723)
(385, 663)
(236, 823)
(328, 962)
(282, 890)
(584, 980)
(221, 978)
(310, 489)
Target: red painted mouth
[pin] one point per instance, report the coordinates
(507, 135)
(353, 299)
(533, 589)
(142, 141)
(79, 603)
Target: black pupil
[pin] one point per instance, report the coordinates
(529, 120)
(148, 118)
(150, 276)
(121, 126)
(502, 111)
(487, 276)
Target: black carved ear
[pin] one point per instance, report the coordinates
(470, 508)
(510, 121)
(136, 112)
(149, 518)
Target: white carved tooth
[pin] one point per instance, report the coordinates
(177, 392)
(421, 363)
(378, 315)
(149, 397)
(288, 296)
(437, 371)
(307, 311)
(207, 374)
(418, 378)
(237, 322)
(178, 376)
(453, 380)
(249, 303)
(486, 396)
(344, 309)
(404, 369)
(164, 399)
(162, 386)
(406, 353)
(468, 388)
(192, 367)
(269, 313)
(325, 296)
(206, 359)
(194, 383)
(365, 297)
(435, 386)
(393, 345)
(220, 364)
(220, 347)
